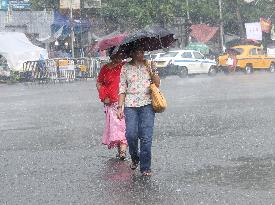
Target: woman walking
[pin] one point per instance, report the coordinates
(108, 86)
(135, 103)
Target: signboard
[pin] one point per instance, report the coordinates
(88, 4)
(20, 4)
(4, 5)
(15, 4)
(254, 31)
(67, 4)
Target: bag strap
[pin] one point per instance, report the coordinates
(148, 65)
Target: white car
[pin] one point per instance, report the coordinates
(4, 68)
(153, 56)
(185, 62)
(166, 59)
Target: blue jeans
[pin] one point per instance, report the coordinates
(139, 125)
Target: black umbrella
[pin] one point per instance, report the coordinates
(150, 39)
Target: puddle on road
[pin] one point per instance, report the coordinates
(248, 173)
(125, 186)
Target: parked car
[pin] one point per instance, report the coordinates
(185, 62)
(153, 56)
(249, 58)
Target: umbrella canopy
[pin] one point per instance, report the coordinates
(110, 42)
(150, 39)
(201, 47)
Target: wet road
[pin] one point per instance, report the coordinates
(213, 145)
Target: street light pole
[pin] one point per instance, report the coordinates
(72, 29)
(221, 25)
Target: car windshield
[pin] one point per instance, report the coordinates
(170, 54)
(153, 56)
(239, 50)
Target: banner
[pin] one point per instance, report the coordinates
(265, 25)
(88, 4)
(254, 31)
(272, 33)
(4, 5)
(67, 4)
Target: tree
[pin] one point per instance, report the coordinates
(42, 4)
(139, 13)
(130, 14)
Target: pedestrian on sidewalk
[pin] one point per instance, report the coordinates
(232, 62)
(108, 86)
(135, 104)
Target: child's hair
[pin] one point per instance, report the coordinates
(110, 51)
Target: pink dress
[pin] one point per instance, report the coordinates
(114, 132)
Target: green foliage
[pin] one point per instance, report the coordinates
(42, 4)
(138, 13)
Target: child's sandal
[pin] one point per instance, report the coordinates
(122, 155)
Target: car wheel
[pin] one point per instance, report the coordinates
(182, 72)
(212, 71)
(272, 68)
(248, 69)
(225, 70)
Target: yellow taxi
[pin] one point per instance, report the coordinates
(249, 58)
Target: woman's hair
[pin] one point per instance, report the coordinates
(135, 48)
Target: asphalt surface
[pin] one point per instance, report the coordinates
(213, 145)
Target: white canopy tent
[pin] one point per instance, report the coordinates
(17, 49)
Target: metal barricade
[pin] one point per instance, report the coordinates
(94, 65)
(61, 69)
(65, 70)
(52, 70)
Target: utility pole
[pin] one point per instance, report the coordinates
(187, 11)
(179, 22)
(221, 25)
(72, 29)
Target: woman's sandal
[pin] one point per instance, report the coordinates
(147, 173)
(134, 165)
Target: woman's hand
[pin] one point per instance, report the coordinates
(120, 113)
(106, 101)
(156, 79)
(154, 74)
(98, 85)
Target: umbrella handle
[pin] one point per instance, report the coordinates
(160, 42)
